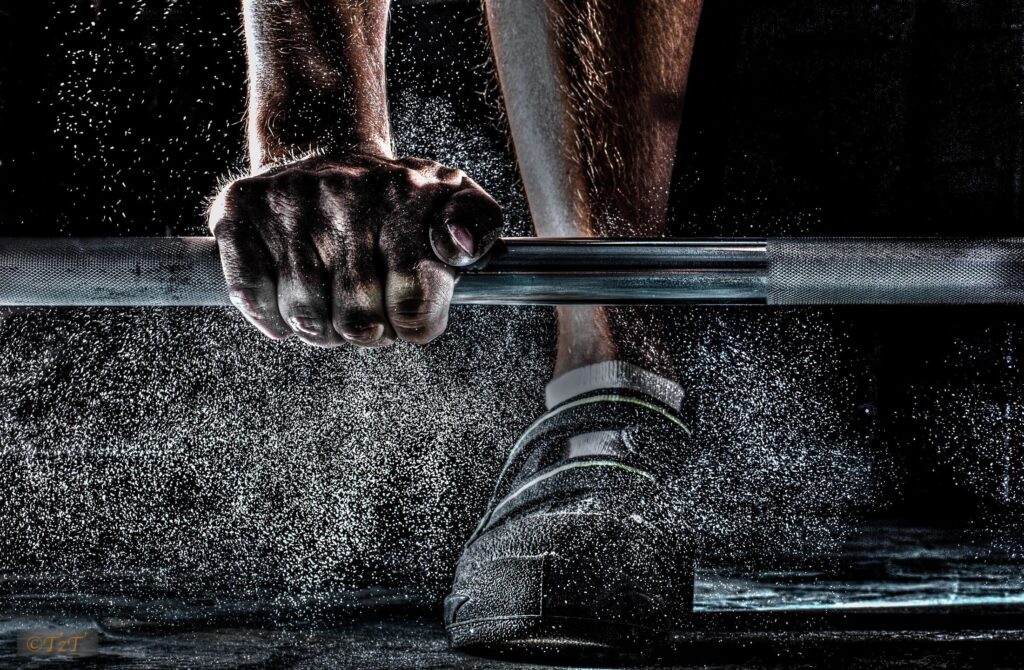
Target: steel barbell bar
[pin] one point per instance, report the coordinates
(186, 271)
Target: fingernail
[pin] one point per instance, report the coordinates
(461, 237)
(306, 324)
(364, 335)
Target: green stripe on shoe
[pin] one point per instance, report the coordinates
(527, 437)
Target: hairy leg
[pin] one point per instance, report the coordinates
(593, 90)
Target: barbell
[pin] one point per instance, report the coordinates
(186, 271)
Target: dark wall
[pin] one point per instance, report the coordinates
(890, 118)
(118, 119)
(121, 116)
(895, 118)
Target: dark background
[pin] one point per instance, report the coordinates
(803, 118)
(844, 117)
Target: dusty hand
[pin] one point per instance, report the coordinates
(357, 248)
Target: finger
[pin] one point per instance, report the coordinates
(417, 292)
(357, 293)
(302, 286)
(302, 294)
(250, 278)
(466, 226)
(358, 312)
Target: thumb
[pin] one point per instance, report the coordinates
(466, 226)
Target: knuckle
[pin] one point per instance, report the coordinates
(450, 175)
(243, 191)
(404, 173)
(399, 178)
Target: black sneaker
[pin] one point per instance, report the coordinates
(580, 552)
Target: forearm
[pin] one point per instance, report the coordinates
(594, 94)
(316, 78)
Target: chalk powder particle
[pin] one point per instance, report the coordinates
(178, 449)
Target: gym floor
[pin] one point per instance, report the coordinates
(417, 643)
(903, 596)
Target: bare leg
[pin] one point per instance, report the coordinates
(594, 91)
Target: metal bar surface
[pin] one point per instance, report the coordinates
(185, 271)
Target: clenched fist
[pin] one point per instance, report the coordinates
(357, 248)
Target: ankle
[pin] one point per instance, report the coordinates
(589, 335)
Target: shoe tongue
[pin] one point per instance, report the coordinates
(597, 443)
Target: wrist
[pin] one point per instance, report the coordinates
(377, 146)
(264, 160)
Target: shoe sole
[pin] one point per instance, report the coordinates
(604, 596)
(554, 637)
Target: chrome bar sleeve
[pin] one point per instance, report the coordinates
(880, 271)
